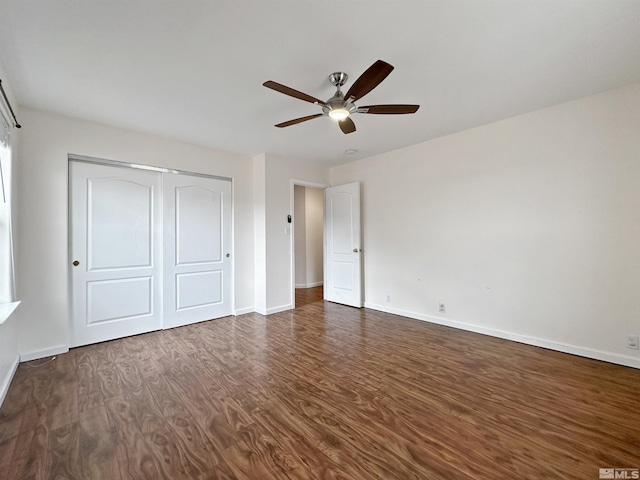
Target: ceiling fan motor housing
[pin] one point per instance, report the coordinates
(338, 79)
(337, 102)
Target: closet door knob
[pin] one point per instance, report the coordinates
(76, 263)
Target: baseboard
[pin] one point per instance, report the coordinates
(309, 285)
(6, 382)
(272, 310)
(242, 311)
(27, 357)
(516, 337)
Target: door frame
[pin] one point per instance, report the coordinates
(292, 240)
(117, 163)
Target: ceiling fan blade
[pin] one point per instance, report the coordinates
(369, 80)
(347, 125)
(389, 109)
(278, 87)
(298, 120)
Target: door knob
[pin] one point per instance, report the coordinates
(76, 263)
(228, 255)
(355, 250)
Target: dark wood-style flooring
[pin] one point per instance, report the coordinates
(322, 392)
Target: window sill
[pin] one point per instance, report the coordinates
(6, 309)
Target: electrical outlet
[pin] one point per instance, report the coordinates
(442, 308)
(632, 342)
(388, 298)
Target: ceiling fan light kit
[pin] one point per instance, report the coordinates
(341, 106)
(338, 114)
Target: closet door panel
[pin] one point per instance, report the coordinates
(197, 249)
(116, 262)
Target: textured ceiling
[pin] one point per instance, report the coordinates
(193, 70)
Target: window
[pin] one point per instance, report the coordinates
(6, 247)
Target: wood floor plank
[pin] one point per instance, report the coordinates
(192, 390)
(191, 439)
(221, 472)
(297, 438)
(64, 394)
(7, 447)
(63, 447)
(31, 455)
(18, 397)
(172, 457)
(135, 458)
(128, 372)
(262, 459)
(110, 378)
(139, 350)
(32, 384)
(343, 440)
(321, 392)
(98, 445)
(89, 387)
(11, 419)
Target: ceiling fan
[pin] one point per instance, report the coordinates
(341, 106)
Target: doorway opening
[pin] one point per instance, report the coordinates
(307, 243)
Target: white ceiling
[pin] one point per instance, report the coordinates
(193, 70)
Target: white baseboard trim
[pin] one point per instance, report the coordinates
(618, 359)
(27, 357)
(309, 285)
(242, 311)
(6, 382)
(272, 310)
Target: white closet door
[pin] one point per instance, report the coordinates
(343, 246)
(115, 252)
(197, 249)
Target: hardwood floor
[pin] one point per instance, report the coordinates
(322, 392)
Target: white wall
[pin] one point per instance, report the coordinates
(278, 177)
(314, 225)
(526, 228)
(260, 232)
(42, 234)
(9, 349)
(300, 237)
(308, 220)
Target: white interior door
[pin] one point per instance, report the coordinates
(115, 248)
(197, 249)
(343, 247)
